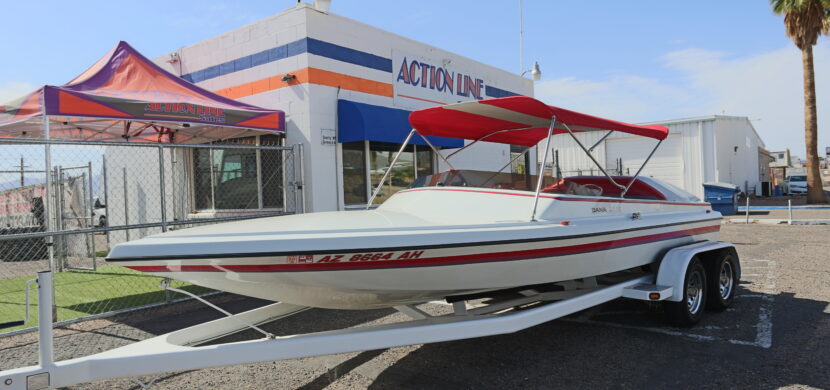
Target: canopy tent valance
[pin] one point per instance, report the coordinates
(125, 96)
(517, 120)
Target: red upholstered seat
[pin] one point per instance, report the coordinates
(639, 189)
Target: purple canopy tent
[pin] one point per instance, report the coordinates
(126, 97)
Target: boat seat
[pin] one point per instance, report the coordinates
(591, 185)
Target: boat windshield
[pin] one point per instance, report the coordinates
(481, 179)
(574, 185)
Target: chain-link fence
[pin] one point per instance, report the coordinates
(64, 204)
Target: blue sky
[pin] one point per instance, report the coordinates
(641, 61)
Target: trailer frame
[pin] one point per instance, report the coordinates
(182, 349)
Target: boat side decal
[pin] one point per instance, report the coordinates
(409, 247)
(410, 259)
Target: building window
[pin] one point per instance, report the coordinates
(354, 172)
(238, 179)
(519, 165)
(415, 161)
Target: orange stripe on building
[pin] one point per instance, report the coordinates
(312, 76)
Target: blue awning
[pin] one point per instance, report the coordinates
(360, 121)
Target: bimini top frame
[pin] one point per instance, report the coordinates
(516, 120)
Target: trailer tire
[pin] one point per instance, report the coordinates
(689, 310)
(723, 280)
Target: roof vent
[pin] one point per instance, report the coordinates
(322, 5)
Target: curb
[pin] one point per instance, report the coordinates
(742, 221)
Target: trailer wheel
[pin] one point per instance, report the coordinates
(723, 281)
(689, 310)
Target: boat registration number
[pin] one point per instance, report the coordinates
(372, 256)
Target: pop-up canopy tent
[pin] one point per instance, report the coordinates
(126, 97)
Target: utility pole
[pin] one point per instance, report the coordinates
(22, 171)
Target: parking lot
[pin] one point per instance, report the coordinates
(777, 334)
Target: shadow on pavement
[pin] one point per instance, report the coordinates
(563, 354)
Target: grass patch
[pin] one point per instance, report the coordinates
(83, 293)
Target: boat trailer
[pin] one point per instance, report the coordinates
(182, 350)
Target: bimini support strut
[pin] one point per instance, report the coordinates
(584, 149)
(640, 169)
(541, 173)
(434, 149)
(386, 174)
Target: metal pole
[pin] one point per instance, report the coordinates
(59, 218)
(161, 189)
(106, 195)
(790, 211)
(300, 183)
(747, 210)
(91, 215)
(521, 38)
(48, 306)
(46, 354)
(126, 202)
(435, 150)
(633, 179)
(212, 181)
(541, 172)
(584, 149)
(591, 149)
(388, 170)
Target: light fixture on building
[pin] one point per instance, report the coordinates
(174, 58)
(286, 78)
(535, 72)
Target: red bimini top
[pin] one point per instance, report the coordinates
(516, 120)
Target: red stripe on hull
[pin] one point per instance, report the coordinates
(433, 261)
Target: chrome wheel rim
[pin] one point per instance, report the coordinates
(694, 292)
(726, 280)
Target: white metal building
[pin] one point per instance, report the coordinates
(714, 148)
(347, 89)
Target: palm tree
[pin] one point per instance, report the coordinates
(805, 20)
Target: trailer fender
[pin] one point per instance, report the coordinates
(673, 266)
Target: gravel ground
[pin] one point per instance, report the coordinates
(776, 335)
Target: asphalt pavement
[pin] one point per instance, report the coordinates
(776, 335)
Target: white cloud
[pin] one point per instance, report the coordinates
(13, 90)
(766, 88)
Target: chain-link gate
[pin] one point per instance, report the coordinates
(97, 195)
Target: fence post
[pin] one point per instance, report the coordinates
(790, 211)
(106, 196)
(161, 189)
(301, 179)
(45, 285)
(91, 216)
(126, 202)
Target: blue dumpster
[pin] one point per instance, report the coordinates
(722, 196)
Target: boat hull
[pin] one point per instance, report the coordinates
(383, 276)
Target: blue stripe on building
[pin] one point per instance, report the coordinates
(305, 45)
(497, 92)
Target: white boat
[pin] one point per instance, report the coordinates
(450, 234)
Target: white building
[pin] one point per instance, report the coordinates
(704, 149)
(347, 89)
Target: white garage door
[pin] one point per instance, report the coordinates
(666, 164)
